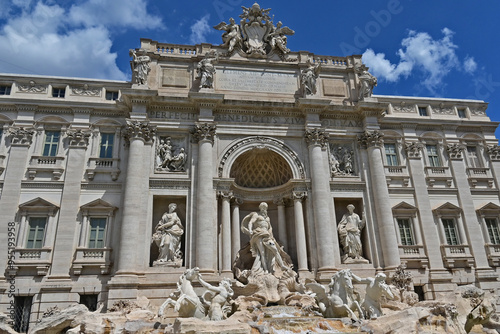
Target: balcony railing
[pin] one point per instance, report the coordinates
(105, 166)
(438, 176)
(413, 254)
(92, 257)
(480, 176)
(457, 256)
(46, 164)
(493, 253)
(38, 258)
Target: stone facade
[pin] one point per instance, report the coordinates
(88, 168)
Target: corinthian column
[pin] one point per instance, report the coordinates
(326, 239)
(300, 231)
(372, 141)
(206, 226)
(226, 230)
(134, 214)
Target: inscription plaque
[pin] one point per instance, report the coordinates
(256, 81)
(175, 78)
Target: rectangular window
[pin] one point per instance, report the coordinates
(36, 232)
(22, 313)
(451, 232)
(111, 95)
(106, 150)
(432, 154)
(51, 143)
(90, 301)
(493, 230)
(472, 157)
(405, 232)
(422, 111)
(461, 113)
(97, 232)
(58, 92)
(391, 155)
(5, 89)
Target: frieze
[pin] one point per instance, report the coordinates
(101, 186)
(85, 90)
(32, 87)
(170, 184)
(265, 119)
(341, 123)
(478, 112)
(261, 140)
(173, 115)
(42, 185)
(443, 110)
(403, 108)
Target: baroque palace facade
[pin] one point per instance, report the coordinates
(89, 167)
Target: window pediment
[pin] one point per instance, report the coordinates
(404, 209)
(490, 209)
(447, 209)
(98, 206)
(38, 205)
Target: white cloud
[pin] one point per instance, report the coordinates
(432, 58)
(50, 40)
(470, 65)
(199, 30)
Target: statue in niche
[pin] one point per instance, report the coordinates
(165, 160)
(231, 38)
(376, 288)
(140, 67)
(309, 76)
(167, 237)
(349, 230)
(341, 162)
(206, 69)
(217, 299)
(264, 247)
(366, 82)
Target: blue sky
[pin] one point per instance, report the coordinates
(444, 48)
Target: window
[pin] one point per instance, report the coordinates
(97, 232)
(461, 113)
(450, 231)
(405, 232)
(422, 111)
(58, 92)
(111, 95)
(106, 150)
(391, 155)
(36, 232)
(472, 157)
(4, 89)
(432, 154)
(22, 313)
(90, 301)
(51, 143)
(493, 230)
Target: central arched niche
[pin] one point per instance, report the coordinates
(260, 168)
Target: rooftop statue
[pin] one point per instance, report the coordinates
(256, 35)
(309, 76)
(140, 67)
(206, 69)
(366, 82)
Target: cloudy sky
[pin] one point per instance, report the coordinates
(444, 48)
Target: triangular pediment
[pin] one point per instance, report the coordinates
(447, 207)
(404, 208)
(39, 205)
(98, 205)
(490, 208)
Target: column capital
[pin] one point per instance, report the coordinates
(236, 201)
(204, 132)
(317, 137)
(139, 130)
(413, 149)
(21, 136)
(227, 195)
(493, 152)
(280, 201)
(78, 138)
(299, 195)
(455, 151)
(371, 139)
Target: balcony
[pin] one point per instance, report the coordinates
(480, 177)
(493, 253)
(92, 257)
(438, 176)
(413, 255)
(52, 165)
(2, 164)
(457, 256)
(38, 258)
(104, 166)
(397, 176)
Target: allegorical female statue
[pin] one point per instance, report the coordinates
(350, 236)
(168, 236)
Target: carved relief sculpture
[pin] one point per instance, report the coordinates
(413, 149)
(341, 161)
(140, 67)
(32, 87)
(21, 136)
(167, 237)
(366, 82)
(349, 229)
(206, 69)
(78, 137)
(86, 91)
(376, 288)
(309, 76)
(166, 160)
(455, 150)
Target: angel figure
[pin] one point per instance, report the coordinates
(278, 38)
(232, 35)
(309, 76)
